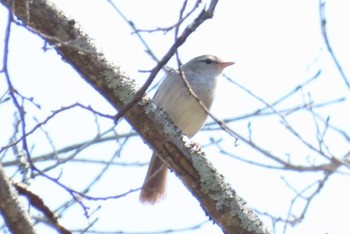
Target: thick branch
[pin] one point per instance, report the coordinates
(218, 199)
(16, 218)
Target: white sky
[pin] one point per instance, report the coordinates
(276, 45)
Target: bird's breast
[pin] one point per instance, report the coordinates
(183, 108)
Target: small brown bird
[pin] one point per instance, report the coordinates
(174, 97)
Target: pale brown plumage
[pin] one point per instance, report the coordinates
(174, 97)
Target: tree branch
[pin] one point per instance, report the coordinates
(16, 218)
(217, 197)
(323, 21)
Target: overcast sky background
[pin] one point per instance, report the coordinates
(276, 45)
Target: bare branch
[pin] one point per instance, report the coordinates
(323, 21)
(39, 204)
(203, 16)
(217, 197)
(16, 218)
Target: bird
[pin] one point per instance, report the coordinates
(174, 97)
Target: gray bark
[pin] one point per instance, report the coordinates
(16, 218)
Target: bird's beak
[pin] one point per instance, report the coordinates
(225, 64)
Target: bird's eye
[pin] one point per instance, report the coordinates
(208, 61)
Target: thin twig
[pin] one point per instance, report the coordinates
(222, 125)
(328, 44)
(203, 16)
